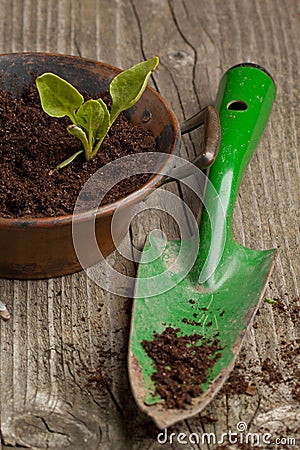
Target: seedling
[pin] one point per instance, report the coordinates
(91, 120)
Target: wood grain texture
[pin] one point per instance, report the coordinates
(54, 393)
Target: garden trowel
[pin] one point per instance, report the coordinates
(218, 298)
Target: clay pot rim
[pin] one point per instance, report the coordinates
(106, 210)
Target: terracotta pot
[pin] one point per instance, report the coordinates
(43, 247)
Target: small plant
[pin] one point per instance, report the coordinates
(91, 120)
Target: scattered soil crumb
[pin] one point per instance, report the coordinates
(208, 419)
(236, 383)
(271, 374)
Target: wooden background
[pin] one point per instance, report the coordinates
(53, 346)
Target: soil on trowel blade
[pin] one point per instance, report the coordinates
(182, 365)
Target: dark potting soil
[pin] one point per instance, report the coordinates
(32, 144)
(181, 365)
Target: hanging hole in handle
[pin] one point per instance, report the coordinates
(237, 105)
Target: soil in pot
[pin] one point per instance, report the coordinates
(32, 144)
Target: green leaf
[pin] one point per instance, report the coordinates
(58, 97)
(92, 116)
(76, 131)
(66, 162)
(127, 87)
(105, 124)
(103, 129)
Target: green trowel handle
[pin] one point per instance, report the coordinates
(244, 101)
